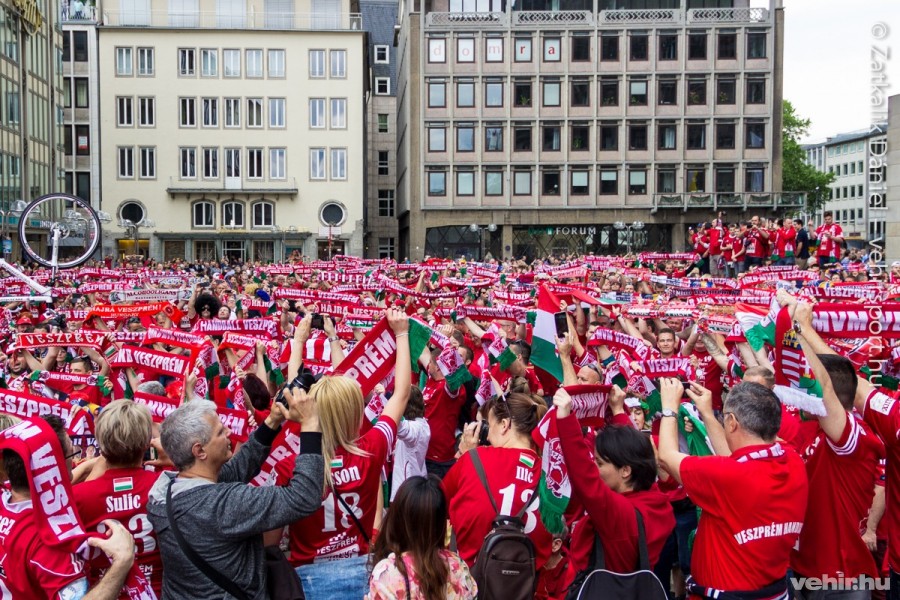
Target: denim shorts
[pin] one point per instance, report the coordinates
(329, 580)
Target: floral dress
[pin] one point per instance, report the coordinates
(388, 583)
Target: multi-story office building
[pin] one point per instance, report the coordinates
(534, 127)
(380, 17)
(31, 113)
(235, 126)
(853, 158)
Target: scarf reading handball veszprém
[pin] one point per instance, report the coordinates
(51, 494)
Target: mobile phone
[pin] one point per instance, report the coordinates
(483, 433)
(318, 321)
(150, 454)
(562, 323)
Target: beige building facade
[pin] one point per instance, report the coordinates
(233, 129)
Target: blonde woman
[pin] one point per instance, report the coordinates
(329, 547)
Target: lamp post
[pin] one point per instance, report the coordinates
(475, 228)
(133, 229)
(630, 228)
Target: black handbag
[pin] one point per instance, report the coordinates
(282, 581)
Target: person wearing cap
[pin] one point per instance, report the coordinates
(24, 324)
(637, 412)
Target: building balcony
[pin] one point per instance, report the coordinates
(77, 12)
(604, 18)
(729, 200)
(251, 20)
(229, 188)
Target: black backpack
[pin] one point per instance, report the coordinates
(596, 583)
(504, 568)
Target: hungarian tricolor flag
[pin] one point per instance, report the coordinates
(555, 489)
(544, 354)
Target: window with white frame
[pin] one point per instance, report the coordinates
(276, 112)
(124, 62)
(145, 62)
(277, 163)
(232, 112)
(210, 112)
(148, 163)
(187, 112)
(186, 62)
(316, 63)
(339, 163)
(276, 63)
(231, 63)
(254, 112)
(233, 162)
(382, 54)
(188, 163)
(147, 112)
(254, 163)
(382, 86)
(233, 214)
(317, 163)
(126, 162)
(317, 113)
(204, 214)
(209, 62)
(263, 214)
(338, 64)
(124, 111)
(254, 63)
(210, 163)
(338, 113)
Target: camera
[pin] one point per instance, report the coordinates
(59, 321)
(483, 434)
(304, 381)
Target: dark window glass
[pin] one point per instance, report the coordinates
(581, 137)
(727, 46)
(725, 136)
(581, 48)
(668, 46)
(523, 139)
(756, 91)
(697, 46)
(609, 47)
(609, 92)
(609, 137)
(522, 91)
(581, 93)
(696, 92)
(550, 184)
(637, 137)
(639, 43)
(696, 137)
(80, 46)
(668, 92)
(756, 44)
(725, 94)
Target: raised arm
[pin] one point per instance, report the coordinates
(399, 324)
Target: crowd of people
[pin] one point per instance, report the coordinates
(726, 418)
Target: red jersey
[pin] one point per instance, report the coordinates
(827, 246)
(842, 480)
(512, 475)
(709, 373)
(330, 533)
(786, 238)
(755, 244)
(121, 494)
(442, 409)
(753, 506)
(728, 242)
(29, 569)
(882, 413)
(715, 241)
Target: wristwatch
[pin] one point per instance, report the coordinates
(667, 412)
(334, 339)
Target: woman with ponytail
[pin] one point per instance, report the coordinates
(409, 557)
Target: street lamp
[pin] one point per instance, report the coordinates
(629, 228)
(133, 229)
(475, 228)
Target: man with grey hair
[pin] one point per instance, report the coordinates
(753, 500)
(217, 514)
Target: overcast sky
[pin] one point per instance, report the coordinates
(827, 55)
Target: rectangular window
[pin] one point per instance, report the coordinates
(552, 49)
(437, 139)
(493, 49)
(276, 64)
(437, 94)
(493, 183)
(124, 111)
(724, 180)
(696, 136)
(316, 63)
(317, 113)
(145, 62)
(581, 48)
(263, 214)
(522, 141)
(550, 93)
(609, 182)
(188, 163)
(522, 183)
(148, 163)
(755, 180)
(382, 123)
(437, 183)
(697, 45)
(493, 93)
(465, 94)
(277, 108)
(523, 50)
(579, 183)
(254, 112)
(465, 139)
(522, 93)
(725, 134)
(146, 112)
(277, 163)
(550, 182)
(609, 48)
(187, 112)
(124, 63)
(210, 163)
(385, 203)
(233, 163)
(83, 140)
(465, 183)
(637, 182)
(465, 50)
(695, 179)
(756, 44)
(384, 162)
(756, 135)
(231, 63)
(232, 112)
(609, 136)
(254, 163)
(696, 91)
(665, 181)
(67, 92)
(209, 62)
(580, 135)
(609, 92)
(667, 136)
(637, 137)
(386, 247)
(80, 46)
(382, 54)
(667, 94)
(81, 92)
(437, 50)
(668, 46)
(726, 94)
(126, 162)
(186, 66)
(756, 91)
(639, 43)
(727, 46)
(317, 163)
(210, 112)
(493, 138)
(552, 135)
(254, 60)
(637, 93)
(338, 64)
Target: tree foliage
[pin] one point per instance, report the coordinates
(797, 175)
